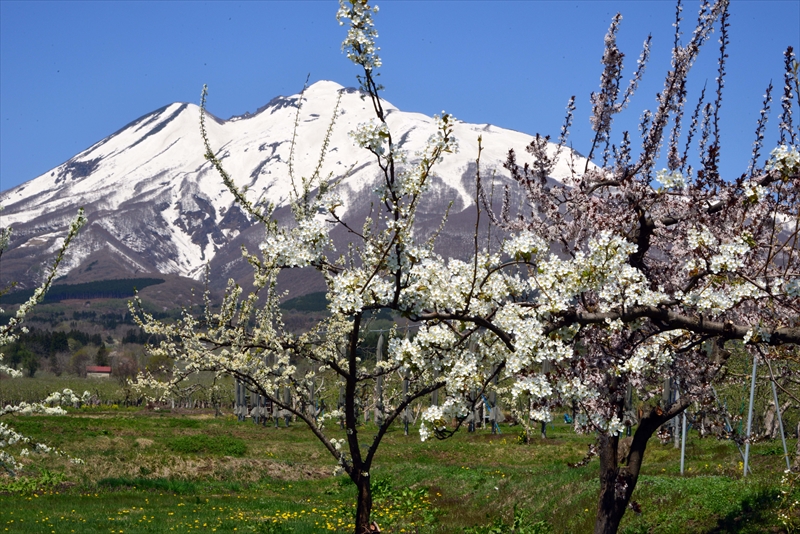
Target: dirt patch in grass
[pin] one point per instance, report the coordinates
(240, 469)
(202, 468)
(193, 413)
(106, 443)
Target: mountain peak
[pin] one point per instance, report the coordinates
(155, 202)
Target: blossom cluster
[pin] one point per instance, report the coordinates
(300, 246)
(757, 334)
(784, 159)
(68, 397)
(671, 180)
(413, 180)
(654, 354)
(730, 256)
(360, 41)
(525, 246)
(792, 288)
(372, 135)
(438, 416)
(753, 191)
(9, 437)
(602, 268)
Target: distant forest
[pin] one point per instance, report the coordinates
(311, 302)
(103, 289)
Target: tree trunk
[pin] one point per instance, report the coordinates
(359, 470)
(771, 426)
(616, 482)
(770, 422)
(615, 487)
(796, 463)
(364, 505)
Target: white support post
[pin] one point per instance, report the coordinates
(780, 424)
(312, 404)
(750, 417)
(683, 432)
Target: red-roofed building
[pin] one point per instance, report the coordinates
(98, 371)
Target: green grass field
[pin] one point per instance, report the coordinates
(149, 471)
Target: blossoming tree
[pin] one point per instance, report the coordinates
(8, 334)
(614, 278)
(387, 267)
(632, 275)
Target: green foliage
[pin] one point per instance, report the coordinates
(30, 362)
(518, 525)
(159, 365)
(26, 485)
(80, 359)
(45, 344)
(101, 358)
(36, 389)
(137, 336)
(402, 508)
(184, 422)
(311, 302)
(59, 342)
(15, 353)
(74, 345)
(212, 445)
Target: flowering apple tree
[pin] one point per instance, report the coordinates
(629, 274)
(387, 267)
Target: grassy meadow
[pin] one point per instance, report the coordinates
(161, 471)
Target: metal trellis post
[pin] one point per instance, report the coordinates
(750, 416)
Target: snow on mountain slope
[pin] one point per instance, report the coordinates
(154, 201)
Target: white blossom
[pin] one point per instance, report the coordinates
(360, 41)
(730, 256)
(784, 159)
(671, 179)
(757, 334)
(373, 136)
(525, 246)
(753, 191)
(699, 237)
(792, 288)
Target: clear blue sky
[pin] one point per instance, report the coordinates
(72, 73)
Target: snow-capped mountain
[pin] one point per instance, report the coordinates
(154, 204)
